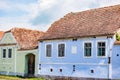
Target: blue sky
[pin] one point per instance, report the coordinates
(40, 14)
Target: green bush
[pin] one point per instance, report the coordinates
(117, 37)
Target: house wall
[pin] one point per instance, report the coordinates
(8, 38)
(22, 65)
(83, 66)
(17, 64)
(7, 65)
(116, 62)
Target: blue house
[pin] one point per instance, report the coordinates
(83, 44)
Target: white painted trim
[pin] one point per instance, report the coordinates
(77, 63)
(39, 55)
(15, 60)
(5, 63)
(110, 55)
(91, 49)
(105, 48)
(65, 49)
(51, 50)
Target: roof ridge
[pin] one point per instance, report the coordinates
(17, 28)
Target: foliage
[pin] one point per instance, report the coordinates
(117, 37)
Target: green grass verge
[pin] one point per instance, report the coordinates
(17, 78)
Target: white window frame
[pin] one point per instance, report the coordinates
(64, 51)
(105, 48)
(91, 49)
(51, 49)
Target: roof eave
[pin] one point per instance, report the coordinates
(109, 35)
(21, 49)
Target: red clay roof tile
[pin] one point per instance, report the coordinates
(95, 22)
(1, 34)
(27, 39)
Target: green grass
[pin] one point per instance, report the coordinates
(17, 78)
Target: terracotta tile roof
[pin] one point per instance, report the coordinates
(1, 34)
(94, 22)
(27, 39)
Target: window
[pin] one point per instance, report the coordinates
(87, 49)
(101, 48)
(61, 50)
(9, 53)
(4, 53)
(48, 50)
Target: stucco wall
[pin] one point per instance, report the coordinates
(22, 65)
(7, 65)
(116, 62)
(83, 65)
(17, 64)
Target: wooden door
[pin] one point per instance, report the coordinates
(31, 64)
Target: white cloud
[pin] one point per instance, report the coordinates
(4, 5)
(42, 13)
(57, 9)
(108, 2)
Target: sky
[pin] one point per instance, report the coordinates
(40, 14)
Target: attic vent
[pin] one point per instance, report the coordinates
(92, 71)
(117, 54)
(39, 66)
(51, 70)
(60, 70)
(74, 39)
(109, 36)
(73, 67)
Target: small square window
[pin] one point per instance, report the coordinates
(92, 71)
